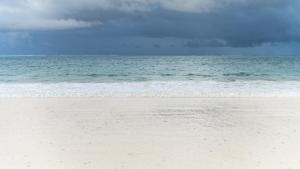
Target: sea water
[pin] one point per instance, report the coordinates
(102, 75)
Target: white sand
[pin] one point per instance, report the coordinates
(150, 133)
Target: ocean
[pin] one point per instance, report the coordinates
(182, 76)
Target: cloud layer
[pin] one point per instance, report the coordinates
(157, 24)
(62, 14)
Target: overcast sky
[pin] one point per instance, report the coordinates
(150, 27)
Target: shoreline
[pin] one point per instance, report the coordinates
(184, 89)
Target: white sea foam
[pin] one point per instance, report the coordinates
(157, 88)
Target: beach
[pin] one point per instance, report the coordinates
(149, 84)
(149, 112)
(149, 132)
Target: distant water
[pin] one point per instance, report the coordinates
(101, 69)
(155, 75)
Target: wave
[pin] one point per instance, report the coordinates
(237, 74)
(153, 88)
(103, 75)
(199, 75)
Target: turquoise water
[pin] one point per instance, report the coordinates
(103, 69)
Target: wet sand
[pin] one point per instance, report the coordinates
(150, 133)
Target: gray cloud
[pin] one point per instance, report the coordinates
(61, 14)
(235, 26)
(94, 26)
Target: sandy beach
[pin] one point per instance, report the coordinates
(150, 133)
(149, 84)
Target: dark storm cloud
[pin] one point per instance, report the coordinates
(98, 26)
(234, 26)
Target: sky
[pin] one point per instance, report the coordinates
(147, 27)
